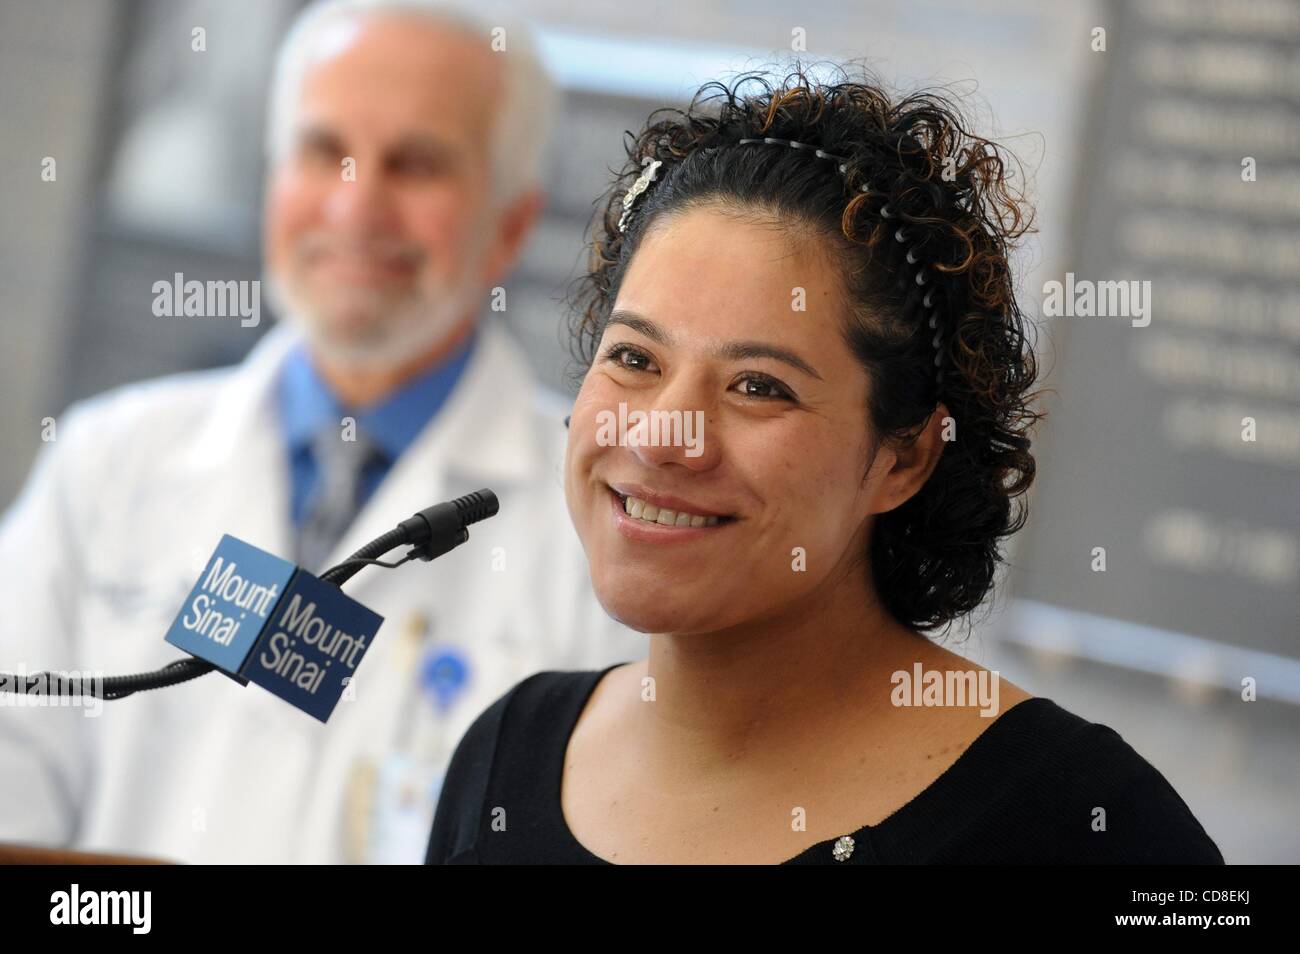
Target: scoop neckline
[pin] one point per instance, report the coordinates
(892, 820)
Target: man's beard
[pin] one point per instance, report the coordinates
(368, 328)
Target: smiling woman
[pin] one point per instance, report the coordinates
(820, 272)
(886, 229)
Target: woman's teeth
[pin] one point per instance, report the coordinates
(640, 510)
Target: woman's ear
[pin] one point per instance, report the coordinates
(913, 462)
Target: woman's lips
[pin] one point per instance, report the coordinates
(665, 501)
(641, 530)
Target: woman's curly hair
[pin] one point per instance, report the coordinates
(946, 197)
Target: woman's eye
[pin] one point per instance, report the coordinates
(625, 356)
(752, 385)
(762, 387)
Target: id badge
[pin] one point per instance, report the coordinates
(405, 797)
(408, 782)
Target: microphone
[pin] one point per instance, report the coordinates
(258, 618)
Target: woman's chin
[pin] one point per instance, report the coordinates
(650, 612)
(638, 615)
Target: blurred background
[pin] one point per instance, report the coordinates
(1161, 140)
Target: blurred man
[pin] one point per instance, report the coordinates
(405, 151)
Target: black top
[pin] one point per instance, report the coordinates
(1024, 791)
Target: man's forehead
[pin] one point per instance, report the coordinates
(402, 64)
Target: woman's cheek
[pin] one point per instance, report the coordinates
(582, 428)
(571, 481)
(581, 454)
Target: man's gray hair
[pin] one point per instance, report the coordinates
(521, 129)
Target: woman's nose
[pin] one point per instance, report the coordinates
(673, 431)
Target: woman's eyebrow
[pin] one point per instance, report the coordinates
(643, 325)
(731, 351)
(740, 350)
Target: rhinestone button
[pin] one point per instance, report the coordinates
(843, 848)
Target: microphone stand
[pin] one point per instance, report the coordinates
(430, 533)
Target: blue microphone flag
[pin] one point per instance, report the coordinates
(263, 619)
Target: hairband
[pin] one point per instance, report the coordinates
(921, 278)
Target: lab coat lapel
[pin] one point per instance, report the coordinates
(251, 500)
(484, 435)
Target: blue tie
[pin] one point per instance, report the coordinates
(337, 494)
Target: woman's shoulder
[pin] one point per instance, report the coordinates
(546, 693)
(1069, 790)
(518, 730)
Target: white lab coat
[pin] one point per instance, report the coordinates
(117, 520)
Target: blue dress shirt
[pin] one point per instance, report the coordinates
(308, 405)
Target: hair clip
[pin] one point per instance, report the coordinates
(651, 167)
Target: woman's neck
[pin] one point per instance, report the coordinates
(739, 698)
